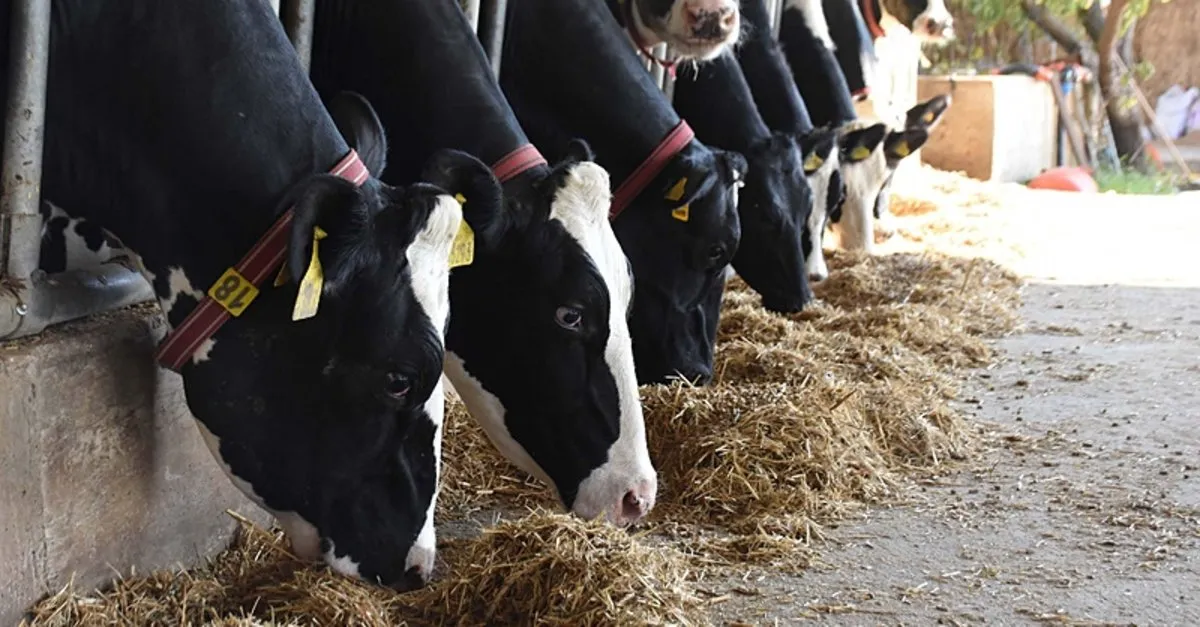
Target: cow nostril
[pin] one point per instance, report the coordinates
(414, 578)
(817, 277)
(633, 507)
(728, 20)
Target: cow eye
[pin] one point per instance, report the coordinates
(569, 318)
(398, 385)
(716, 253)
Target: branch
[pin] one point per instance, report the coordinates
(1112, 24)
(1093, 20)
(1038, 14)
(1051, 25)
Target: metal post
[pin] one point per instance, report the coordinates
(471, 8)
(492, 19)
(30, 300)
(776, 8)
(298, 22)
(24, 123)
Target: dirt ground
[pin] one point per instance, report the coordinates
(1084, 506)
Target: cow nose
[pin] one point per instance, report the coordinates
(708, 24)
(697, 375)
(817, 277)
(934, 26)
(636, 503)
(414, 578)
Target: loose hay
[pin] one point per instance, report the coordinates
(810, 415)
(545, 568)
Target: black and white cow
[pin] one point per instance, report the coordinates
(776, 204)
(189, 132)
(694, 30)
(569, 72)
(769, 79)
(538, 346)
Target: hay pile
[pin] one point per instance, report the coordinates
(809, 416)
(547, 568)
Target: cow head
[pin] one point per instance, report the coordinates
(924, 116)
(694, 29)
(333, 423)
(540, 346)
(775, 209)
(929, 20)
(821, 166)
(865, 154)
(680, 234)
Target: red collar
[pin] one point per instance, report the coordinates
(641, 177)
(872, 20)
(239, 284)
(517, 162)
(642, 46)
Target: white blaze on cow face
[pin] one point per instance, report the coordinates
(430, 273)
(628, 470)
(820, 181)
(864, 169)
(693, 29)
(624, 487)
(814, 18)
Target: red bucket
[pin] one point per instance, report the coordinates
(1075, 179)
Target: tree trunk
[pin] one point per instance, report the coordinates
(1059, 32)
(1124, 117)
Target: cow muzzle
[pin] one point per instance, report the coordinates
(708, 23)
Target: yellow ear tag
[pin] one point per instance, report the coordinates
(859, 153)
(901, 149)
(309, 295)
(681, 213)
(928, 117)
(462, 251)
(676, 191)
(813, 163)
(282, 277)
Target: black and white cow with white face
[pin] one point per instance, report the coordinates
(190, 132)
(695, 30)
(538, 346)
(568, 72)
(870, 156)
(776, 204)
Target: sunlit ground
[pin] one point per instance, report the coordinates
(1050, 236)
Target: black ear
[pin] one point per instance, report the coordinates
(859, 144)
(360, 126)
(461, 174)
(579, 150)
(334, 205)
(817, 148)
(900, 144)
(926, 115)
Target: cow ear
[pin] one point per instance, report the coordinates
(329, 211)
(900, 144)
(579, 150)
(859, 144)
(686, 180)
(472, 182)
(818, 151)
(926, 115)
(360, 126)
